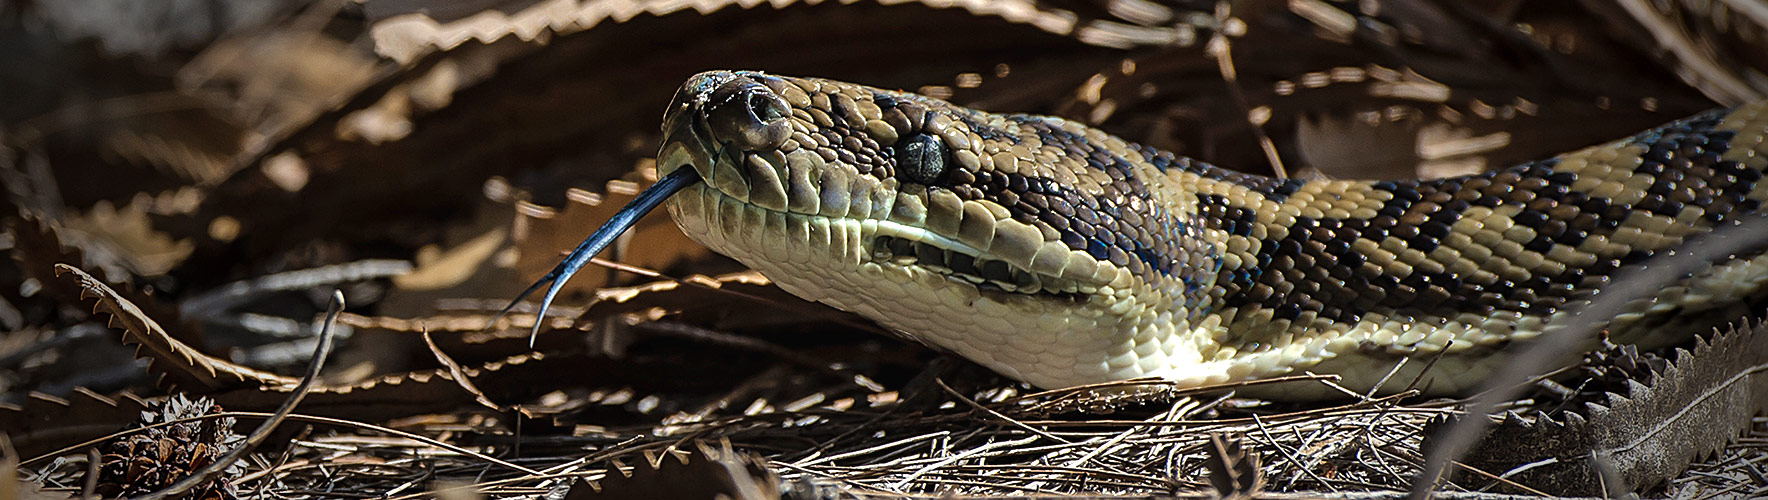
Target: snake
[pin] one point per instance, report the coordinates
(1060, 255)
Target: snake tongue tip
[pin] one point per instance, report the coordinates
(546, 303)
(616, 225)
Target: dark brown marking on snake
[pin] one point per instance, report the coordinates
(1312, 270)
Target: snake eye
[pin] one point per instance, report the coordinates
(921, 159)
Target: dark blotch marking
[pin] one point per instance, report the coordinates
(1313, 270)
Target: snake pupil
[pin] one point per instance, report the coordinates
(921, 159)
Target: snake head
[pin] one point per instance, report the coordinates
(924, 215)
(908, 171)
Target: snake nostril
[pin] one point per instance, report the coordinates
(748, 115)
(764, 105)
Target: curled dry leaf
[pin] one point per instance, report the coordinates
(408, 30)
(246, 388)
(39, 247)
(177, 364)
(1691, 408)
(276, 76)
(409, 393)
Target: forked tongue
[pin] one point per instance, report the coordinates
(622, 220)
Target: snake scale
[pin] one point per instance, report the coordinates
(1059, 255)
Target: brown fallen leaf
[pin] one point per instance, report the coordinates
(411, 393)
(1706, 397)
(406, 30)
(39, 247)
(175, 363)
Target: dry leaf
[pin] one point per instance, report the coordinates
(147, 252)
(176, 363)
(1691, 408)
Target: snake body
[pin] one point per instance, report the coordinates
(1060, 255)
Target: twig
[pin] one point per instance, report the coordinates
(460, 375)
